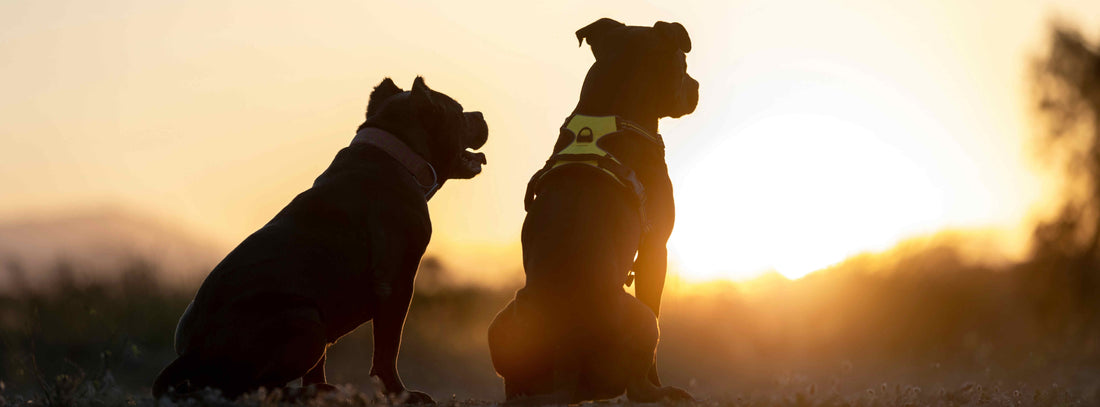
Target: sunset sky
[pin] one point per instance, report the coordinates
(824, 128)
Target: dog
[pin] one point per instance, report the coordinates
(573, 333)
(340, 254)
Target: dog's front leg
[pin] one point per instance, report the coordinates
(388, 323)
(650, 270)
(316, 375)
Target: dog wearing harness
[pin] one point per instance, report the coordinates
(599, 214)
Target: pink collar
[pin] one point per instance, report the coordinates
(421, 170)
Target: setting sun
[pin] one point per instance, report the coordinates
(794, 194)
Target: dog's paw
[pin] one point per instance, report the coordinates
(647, 393)
(322, 388)
(670, 393)
(414, 397)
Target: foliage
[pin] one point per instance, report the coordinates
(1066, 249)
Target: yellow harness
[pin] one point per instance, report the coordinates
(587, 131)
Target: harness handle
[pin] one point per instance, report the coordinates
(585, 150)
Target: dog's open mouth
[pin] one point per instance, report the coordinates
(469, 164)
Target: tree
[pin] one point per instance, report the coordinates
(1067, 91)
(1063, 278)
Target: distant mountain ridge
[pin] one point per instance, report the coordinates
(99, 243)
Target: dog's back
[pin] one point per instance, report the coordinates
(311, 265)
(334, 229)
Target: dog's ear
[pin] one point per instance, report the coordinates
(381, 92)
(595, 32)
(420, 93)
(675, 33)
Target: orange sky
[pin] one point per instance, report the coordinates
(823, 129)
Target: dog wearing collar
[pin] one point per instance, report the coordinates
(340, 254)
(601, 208)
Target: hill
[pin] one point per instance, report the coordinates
(98, 243)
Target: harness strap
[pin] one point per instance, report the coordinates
(585, 150)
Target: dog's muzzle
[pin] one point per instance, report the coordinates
(469, 162)
(687, 97)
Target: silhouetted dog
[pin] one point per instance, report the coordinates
(342, 253)
(573, 333)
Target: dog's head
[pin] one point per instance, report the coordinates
(432, 124)
(649, 57)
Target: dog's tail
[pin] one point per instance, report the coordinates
(176, 377)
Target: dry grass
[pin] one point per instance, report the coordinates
(82, 391)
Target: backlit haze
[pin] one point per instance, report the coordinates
(824, 129)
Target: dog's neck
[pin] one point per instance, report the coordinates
(422, 171)
(607, 93)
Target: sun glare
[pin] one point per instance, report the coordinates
(793, 194)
